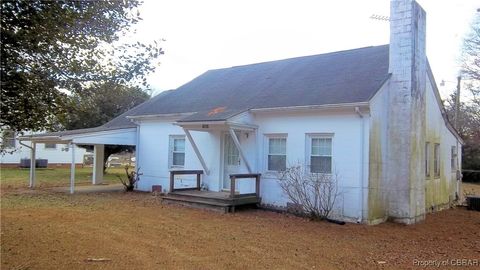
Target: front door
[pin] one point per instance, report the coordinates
(231, 160)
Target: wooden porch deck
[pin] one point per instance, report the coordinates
(224, 202)
(211, 200)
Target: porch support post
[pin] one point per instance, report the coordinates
(98, 155)
(32, 165)
(72, 169)
(197, 152)
(237, 144)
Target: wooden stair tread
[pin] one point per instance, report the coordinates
(202, 196)
(196, 200)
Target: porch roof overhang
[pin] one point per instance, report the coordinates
(44, 139)
(222, 125)
(122, 136)
(127, 136)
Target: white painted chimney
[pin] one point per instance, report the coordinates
(405, 200)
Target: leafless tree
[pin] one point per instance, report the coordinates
(468, 116)
(471, 59)
(314, 193)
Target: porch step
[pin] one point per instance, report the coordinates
(200, 203)
(217, 201)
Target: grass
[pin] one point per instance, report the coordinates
(18, 178)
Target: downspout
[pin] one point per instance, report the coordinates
(458, 173)
(137, 148)
(137, 153)
(27, 146)
(361, 218)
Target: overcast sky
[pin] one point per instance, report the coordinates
(209, 34)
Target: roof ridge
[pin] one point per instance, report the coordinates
(298, 57)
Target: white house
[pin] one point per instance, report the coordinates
(56, 154)
(373, 115)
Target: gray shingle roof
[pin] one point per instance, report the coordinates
(333, 78)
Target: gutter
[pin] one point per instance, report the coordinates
(158, 116)
(312, 107)
(39, 138)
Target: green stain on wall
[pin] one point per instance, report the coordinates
(437, 189)
(376, 206)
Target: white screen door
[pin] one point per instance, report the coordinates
(231, 160)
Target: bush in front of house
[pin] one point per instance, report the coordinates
(313, 194)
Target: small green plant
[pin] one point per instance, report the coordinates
(132, 178)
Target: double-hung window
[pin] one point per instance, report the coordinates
(50, 146)
(436, 160)
(427, 159)
(277, 153)
(177, 151)
(453, 158)
(320, 156)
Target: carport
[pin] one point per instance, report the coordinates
(98, 137)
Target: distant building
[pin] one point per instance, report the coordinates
(58, 155)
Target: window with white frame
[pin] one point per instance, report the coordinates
(277, 153)
(50, 146)
(427, 159)
(436, 160)
(177, 151)
(320, 156)
(8, 139)
(453, 159)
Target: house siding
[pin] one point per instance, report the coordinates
(153, 155)
(377, 157)
(440, 192)
(346, 128)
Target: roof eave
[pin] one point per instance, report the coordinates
(135, 118)
(43, 139)
(313, 107)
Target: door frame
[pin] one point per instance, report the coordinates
(222, 160)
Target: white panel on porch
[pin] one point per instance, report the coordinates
(120, 137)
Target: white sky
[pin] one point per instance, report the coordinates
(209, 34)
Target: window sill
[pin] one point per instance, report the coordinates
(176, 167)
(272, 173)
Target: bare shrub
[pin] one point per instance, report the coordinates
(132, 178)
(312, 193)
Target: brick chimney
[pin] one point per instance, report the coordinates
(405, 178)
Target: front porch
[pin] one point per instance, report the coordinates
(221, 201)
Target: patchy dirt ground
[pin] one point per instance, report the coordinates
(45, 230)
(470, 188)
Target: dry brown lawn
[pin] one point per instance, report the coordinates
(46, 230)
